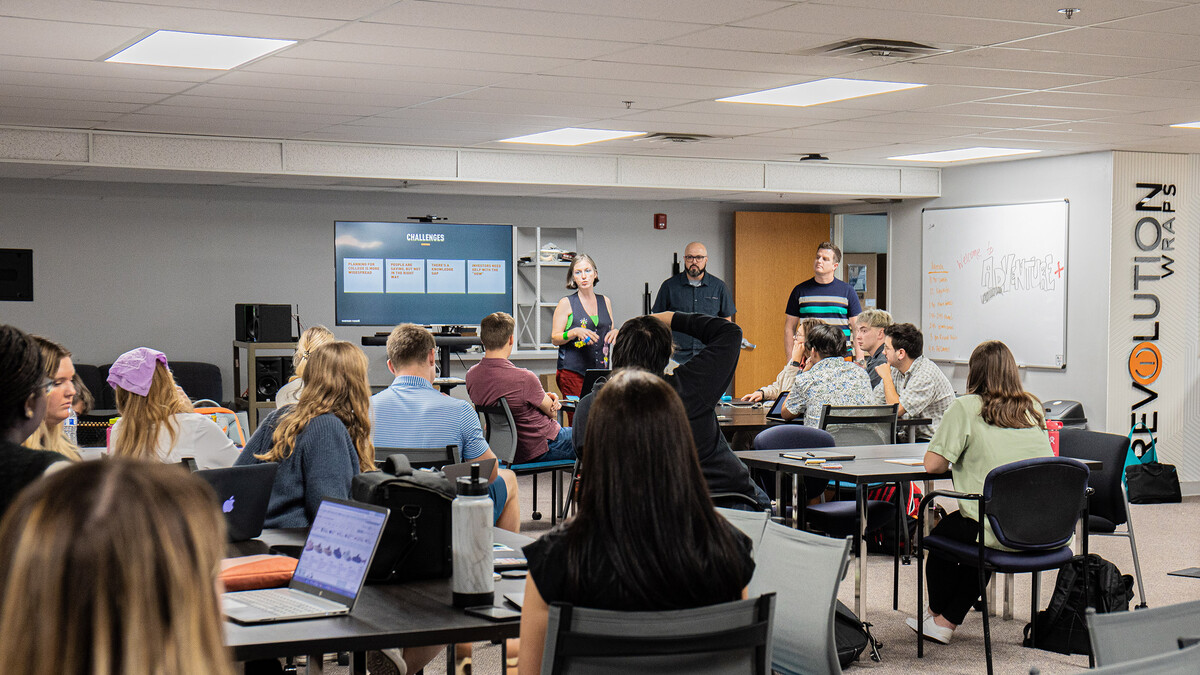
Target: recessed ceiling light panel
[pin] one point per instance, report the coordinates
(572, 136)
(820, 91)
(1187, 125)
(196, 50)
(963, 154)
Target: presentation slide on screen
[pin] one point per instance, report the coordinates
(431, 273)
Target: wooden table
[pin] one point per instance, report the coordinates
(411, 614)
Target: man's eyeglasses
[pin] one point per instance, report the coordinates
(694, 258)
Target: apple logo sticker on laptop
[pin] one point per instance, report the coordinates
(227, 507)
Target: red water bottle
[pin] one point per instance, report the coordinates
(1053, 427)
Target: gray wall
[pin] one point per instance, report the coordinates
(1084, 180)
(120, 265)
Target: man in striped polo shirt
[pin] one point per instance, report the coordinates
(823, 297)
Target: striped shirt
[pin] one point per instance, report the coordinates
(835, 303)
(412, 414)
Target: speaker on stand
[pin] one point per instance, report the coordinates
(268, 372)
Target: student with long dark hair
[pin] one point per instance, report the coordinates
(639, 541)
(996, 423)
(23, 400)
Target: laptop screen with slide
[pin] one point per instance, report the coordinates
(338, 551)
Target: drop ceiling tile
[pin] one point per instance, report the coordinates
(942, 120)
(727, 59)
(735, 82)
(1114, 128)
(1066, 99)
(1141, 86)
(741, 38)
(212, 103)
(417, 116)
(925, 72)
(1046, 135)
(207, 126)
(1023, 111)
(712, 12)
(432, 58)
(1095, 11)
(101, 69)
(377, 71)
(1056, 62)
(1183, 20)
(1164, 117)
(62, 39)
(1114, 43)
(562, 24)
(555, 96)
(218, 114)
(674, 120)
(355, 100)
(84, 83)
(343, 9)
(486, 41)
(628, 87)
(332, 88)
(16, 92)
(912, 26)
(53, 117)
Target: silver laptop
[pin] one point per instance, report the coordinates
(330, 574)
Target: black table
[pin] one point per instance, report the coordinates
(412, 614)
(868, 466)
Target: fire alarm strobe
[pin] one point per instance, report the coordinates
(660, 221)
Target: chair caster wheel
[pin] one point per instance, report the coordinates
(537, 515)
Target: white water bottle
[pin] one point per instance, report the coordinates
(71, 428)
(471, 542)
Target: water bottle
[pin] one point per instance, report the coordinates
(471, 541)
(71, 428)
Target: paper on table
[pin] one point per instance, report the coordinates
(907, 461)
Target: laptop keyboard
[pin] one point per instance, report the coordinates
(281, 602)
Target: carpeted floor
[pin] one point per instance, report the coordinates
(1167, 540)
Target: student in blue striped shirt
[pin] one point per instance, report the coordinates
(412, 414)
(824, 296)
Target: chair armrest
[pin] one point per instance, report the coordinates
(942, 493)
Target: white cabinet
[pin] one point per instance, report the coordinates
(539, 285)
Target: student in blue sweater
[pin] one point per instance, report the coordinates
(320, 443)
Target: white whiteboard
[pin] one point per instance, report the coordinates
(996, 273)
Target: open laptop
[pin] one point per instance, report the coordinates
(329, 577)
(776, 411)
(244, 492)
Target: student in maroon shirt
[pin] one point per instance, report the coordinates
(539, 436)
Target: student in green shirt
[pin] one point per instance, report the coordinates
(996, 423)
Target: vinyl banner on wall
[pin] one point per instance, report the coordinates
(1154, 323)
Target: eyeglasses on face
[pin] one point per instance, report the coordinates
(694, 258)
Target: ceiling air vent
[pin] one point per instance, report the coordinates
(671, 137)
(861, 47)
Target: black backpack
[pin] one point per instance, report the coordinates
(1062, 626)
(852, 636)
(416, 540)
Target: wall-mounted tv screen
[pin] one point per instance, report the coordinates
(448, 274)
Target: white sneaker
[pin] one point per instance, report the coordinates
(932, 630)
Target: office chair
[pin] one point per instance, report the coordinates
(500, 430)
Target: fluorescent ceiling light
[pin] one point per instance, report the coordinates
(196, 50)
(1187, 125)
(963, 154)
(572, 136)
(821, 91)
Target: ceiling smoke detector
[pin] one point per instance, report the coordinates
(877, 47)
(813, 157)
(674, 137)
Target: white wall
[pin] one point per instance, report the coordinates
(1084, 180)
(119, 265)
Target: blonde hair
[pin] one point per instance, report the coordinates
(571, 270)
(111, 568)
(336, 383)
(310, 339)
(51, 436)
(874, 318)
(144, 417)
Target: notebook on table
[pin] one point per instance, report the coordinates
(329, 577)
(244, 493)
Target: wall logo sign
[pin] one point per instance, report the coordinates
(1154, 234)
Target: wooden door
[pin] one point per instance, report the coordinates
(772, 253)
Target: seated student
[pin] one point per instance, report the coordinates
(83, 401)
(618, 554)
(310, 339)
(111, 567)
(996, 423)
(50, 435)
(868, 335)
(539, 436)
(646, 342)
(157, 421)
(828, 378)
(23, 399)
(320, 443)
(910, 379)
(412, 414)
(786, 377)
